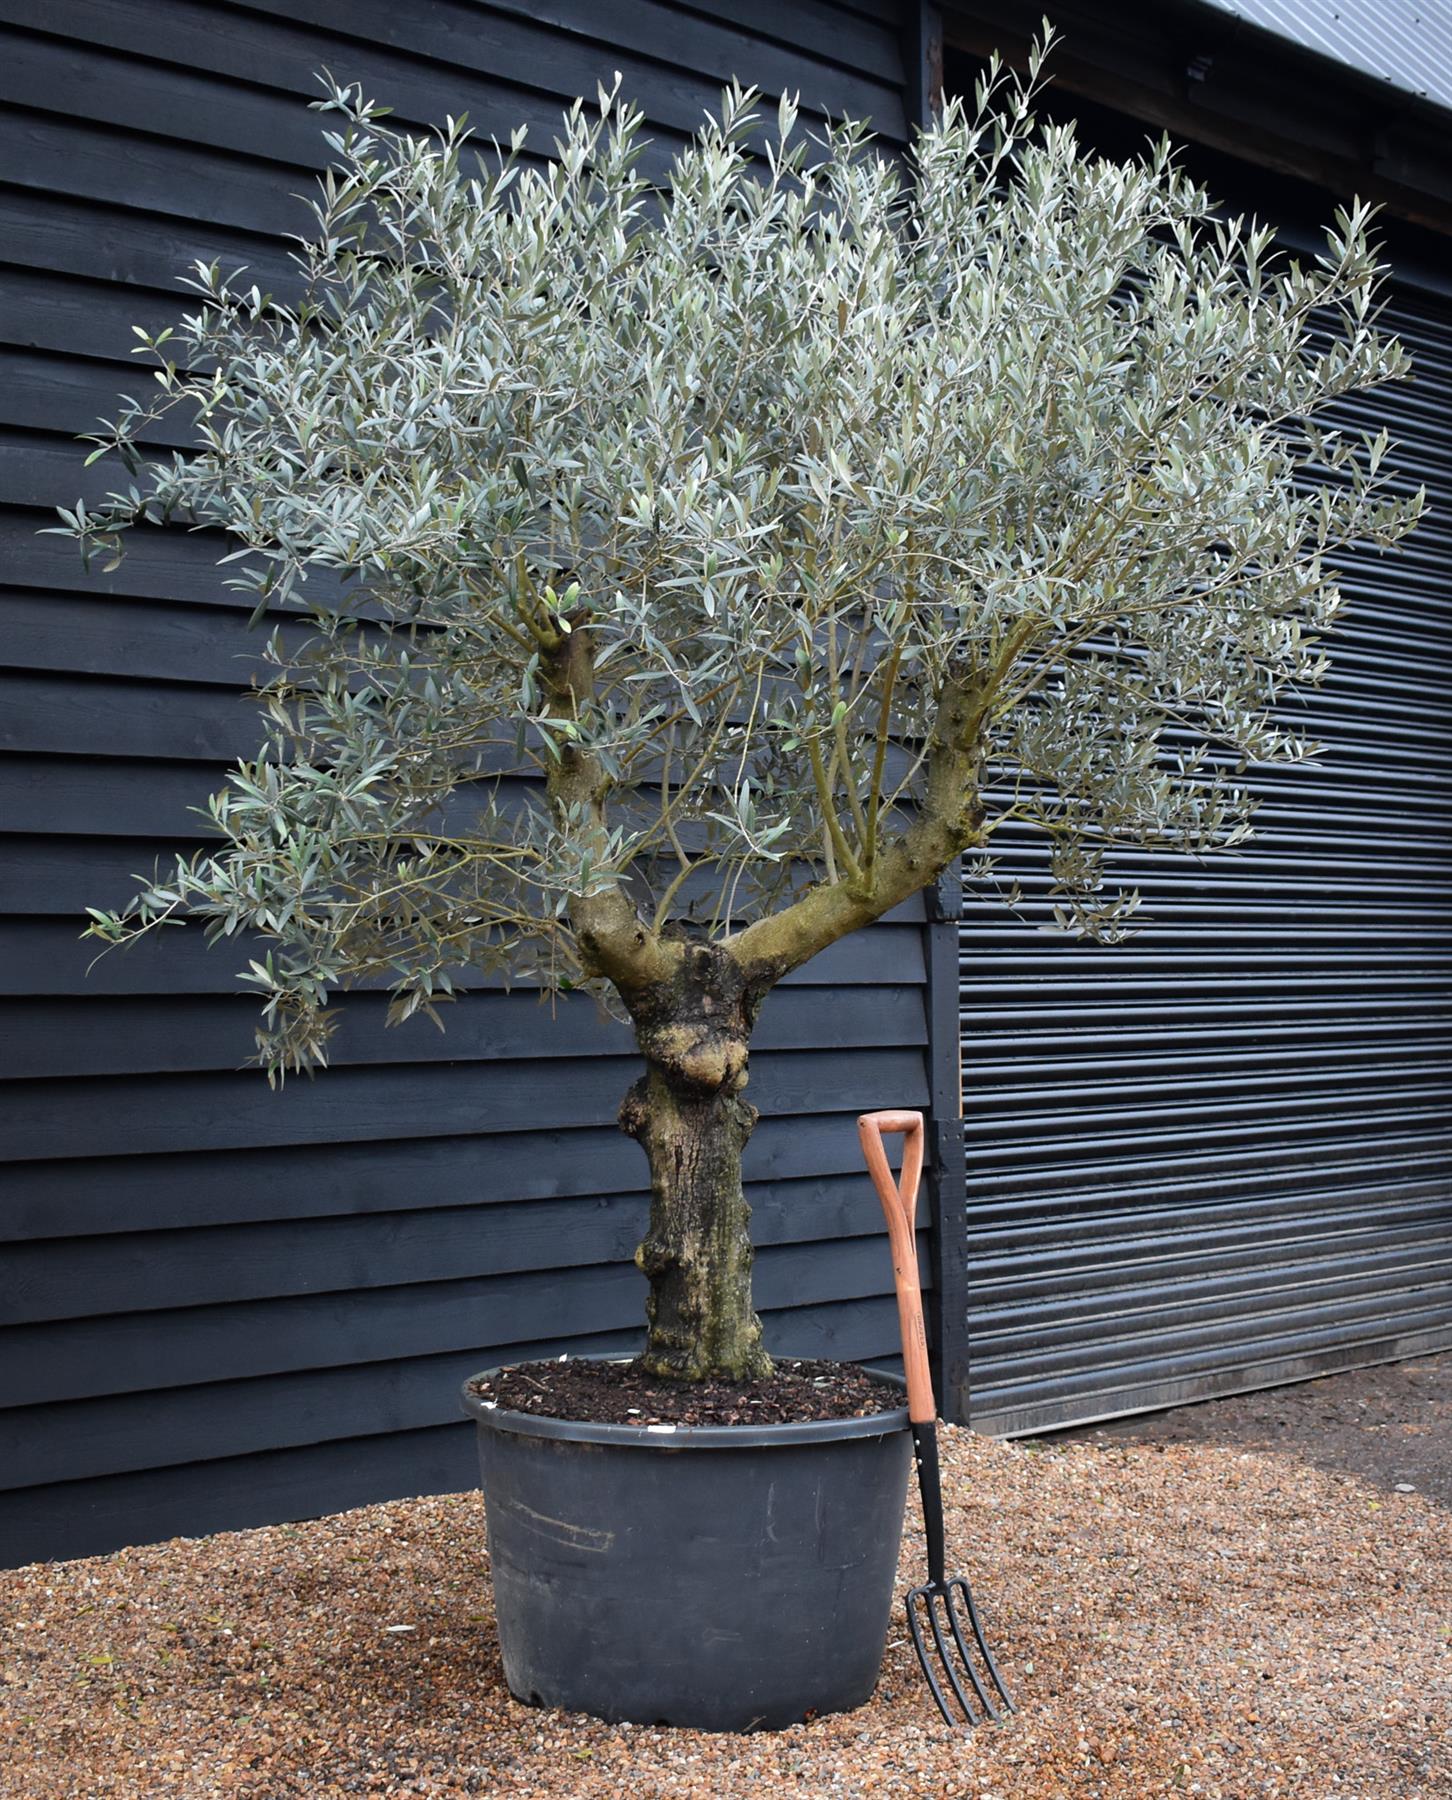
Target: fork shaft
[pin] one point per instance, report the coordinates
(925, 1455)
(899, 1203)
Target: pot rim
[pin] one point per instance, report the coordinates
(491, 1416)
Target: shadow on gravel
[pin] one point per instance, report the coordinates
(1389, 1426)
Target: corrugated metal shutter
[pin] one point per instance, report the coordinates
(1216, 1157)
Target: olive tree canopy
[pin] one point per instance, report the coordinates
(720, 562)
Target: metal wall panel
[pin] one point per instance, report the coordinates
(1216, 1157)
(1404, 42)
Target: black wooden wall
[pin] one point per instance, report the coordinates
(221, 1305)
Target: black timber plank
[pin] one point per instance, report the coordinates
(180, 1347)
(61, 876)
(41, 390)
(89, 1518)
(61, 714)
(73, 76)
(49, 956)
(112, 797)
(116, 796)
(51, 712)
(133, 1116)
(139, 1352)
(58, 877)
(69, 635)
(852, 70)
(76, 317)
(280, 56)
(865, 36)
(95, 1196)
(44, 470)
(227, 1419)
(151, 103)
(152, 1036)
(252, 192)
(77, 235)
(139, 1271)
(179, 566)
(211, 188)
(476, 36)
(94, 716)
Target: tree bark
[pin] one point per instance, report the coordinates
(689, 1115)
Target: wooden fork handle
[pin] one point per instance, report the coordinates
(899, 1199)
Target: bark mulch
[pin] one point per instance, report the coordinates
(1245, 1608)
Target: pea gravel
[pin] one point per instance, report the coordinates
(1249, 1613)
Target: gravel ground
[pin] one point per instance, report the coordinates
(1230, 1602)
(1391, 1426)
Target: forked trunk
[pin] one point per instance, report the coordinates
(689, 1115)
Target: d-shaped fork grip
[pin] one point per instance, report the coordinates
(900, 1203)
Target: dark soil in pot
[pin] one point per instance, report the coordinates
(622, 1393)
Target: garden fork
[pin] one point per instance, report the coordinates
(938, 1599)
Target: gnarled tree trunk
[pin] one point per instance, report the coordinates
(689, 1114)
(694, 1003)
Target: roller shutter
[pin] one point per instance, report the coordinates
(1216, 1158)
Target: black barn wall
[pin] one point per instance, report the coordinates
(218, 1305)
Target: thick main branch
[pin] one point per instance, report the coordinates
(949, 820)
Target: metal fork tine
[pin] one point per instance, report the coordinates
(946, 1656)
(958, 1582)
(984, 1701)
(927, 1595)
(915, 1627)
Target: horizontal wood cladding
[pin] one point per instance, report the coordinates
(88, 1515)
(244, 144)
(87, 1518)
(122, 1433)
(219, 1305)
(155, 1035)
(139, 1271)
(180, 567)
(150, 1350)
(86, 1196)
(132, 1115)
(49, 956)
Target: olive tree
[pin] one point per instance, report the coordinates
(707, 564)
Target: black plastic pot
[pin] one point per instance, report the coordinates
(725, 1577)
